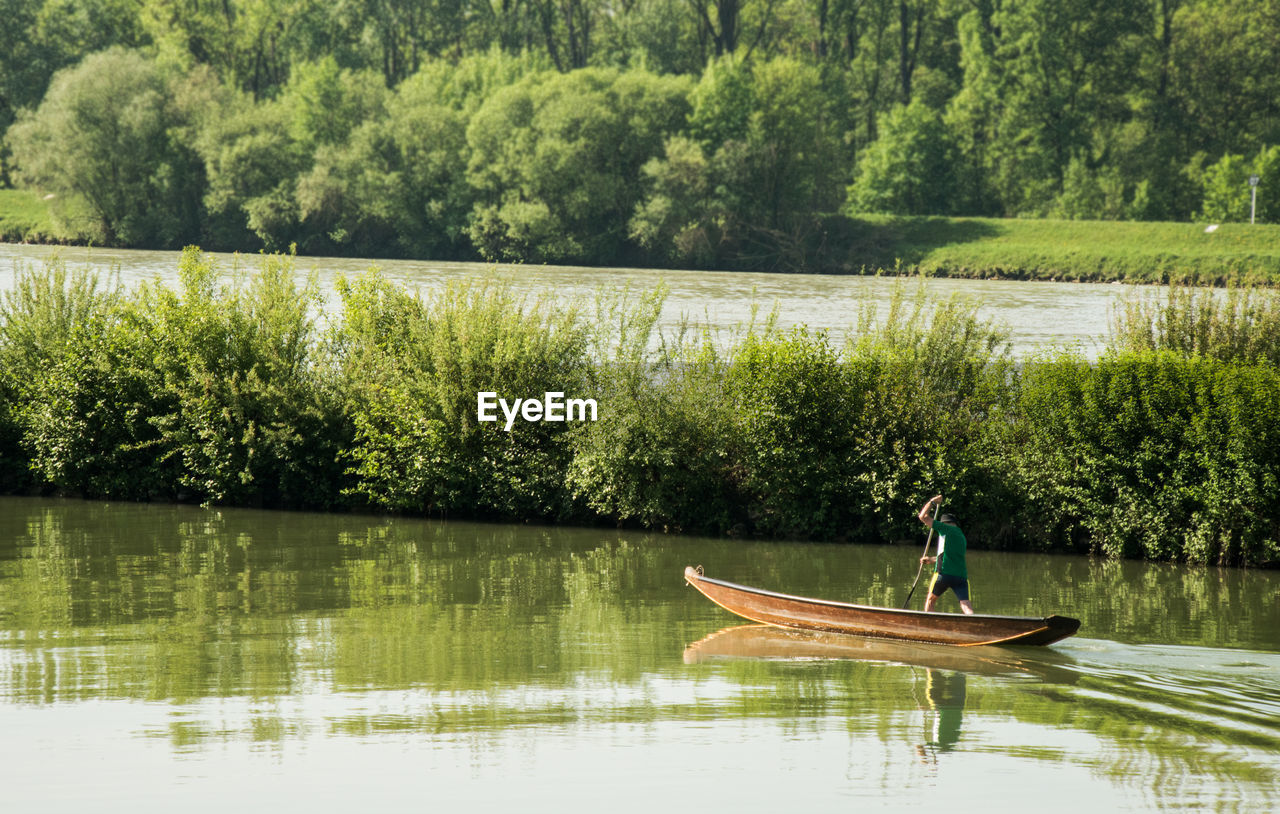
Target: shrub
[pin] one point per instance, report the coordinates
(1152, 454)
(1242, 325)
(40, 320)
(412, 398)
(207, 393)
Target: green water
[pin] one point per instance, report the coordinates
(154, 657)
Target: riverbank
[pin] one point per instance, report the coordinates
(25, 217)
(968, 248)
(247, 396)
(1070, 250)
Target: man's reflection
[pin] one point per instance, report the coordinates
(945, 692)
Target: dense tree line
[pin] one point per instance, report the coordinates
(694, 132)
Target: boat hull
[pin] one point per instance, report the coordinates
(963, 630)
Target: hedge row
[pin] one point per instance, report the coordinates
(245, 394)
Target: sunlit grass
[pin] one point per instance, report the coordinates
(1094, 251)
(25, 217)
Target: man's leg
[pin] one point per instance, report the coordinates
(932, 598)
(962, 593)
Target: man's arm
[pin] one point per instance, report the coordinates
(926, 515)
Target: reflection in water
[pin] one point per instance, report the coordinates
(767, 642)
(521, 659)
(945, 693)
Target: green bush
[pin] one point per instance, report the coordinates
(1165, 448)
(44, 319)
(1242, 325)
(662, 457)
(796, 425)
(104, 141)
(209, 393)
(412, 374)
(1153, 455)
(784, 435)
(90, 429)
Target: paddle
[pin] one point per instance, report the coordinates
(928, 542)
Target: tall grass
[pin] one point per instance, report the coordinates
(1238, 325)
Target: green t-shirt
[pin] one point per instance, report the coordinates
(951, 546)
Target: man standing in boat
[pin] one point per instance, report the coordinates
(949, 569)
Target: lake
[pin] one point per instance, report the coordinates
(160, 658)
(1037, 314)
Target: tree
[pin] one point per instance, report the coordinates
(1227, 196)
(1042, 80)
(102, 143)
(398, 185)
(40, 37)
(252, 164)
(555, 161)
(255, 157)
(761, 162)
(910, 169)
(1223, 76)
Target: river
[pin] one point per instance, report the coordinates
(1037, 315)
(159, 658)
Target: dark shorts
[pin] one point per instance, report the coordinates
(941, 582)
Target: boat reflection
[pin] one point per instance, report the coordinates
(768, 642)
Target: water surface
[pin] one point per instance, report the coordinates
(1037, 314)
(155, 656)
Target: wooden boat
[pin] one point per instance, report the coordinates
(964, 630)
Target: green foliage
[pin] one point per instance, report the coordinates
(1220, 78)
(555, 160)
(325, 125)
(664, 457)
(103, 138)
(1095, 194)
(208, 393)
(326, 103)
(785, 435)
(89, 430)
(251, 422)
(41, 320)
(1242, 325)
(413, 375)
(682, 221)
(744, 188)
(911, 167)
(252, 164)
(722, 103)
(42, 37)
(796, 423)
(1227, 195)
(1151, 455)
(1168, 447)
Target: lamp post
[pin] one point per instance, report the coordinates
(1253, 196)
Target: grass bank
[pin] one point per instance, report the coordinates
(1072, 250)
(25, 218)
